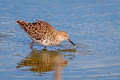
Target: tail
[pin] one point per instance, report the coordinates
(22, 24)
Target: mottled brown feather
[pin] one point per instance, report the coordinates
(43, 33)
(38, 30)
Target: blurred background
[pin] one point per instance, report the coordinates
(94, 25)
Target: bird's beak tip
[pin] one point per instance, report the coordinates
(72, 43)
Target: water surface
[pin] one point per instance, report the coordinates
(94, 25)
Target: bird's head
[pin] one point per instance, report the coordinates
(61, 35)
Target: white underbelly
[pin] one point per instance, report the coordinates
(41, 42)
(45, 42)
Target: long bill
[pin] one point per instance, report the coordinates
(72, 43)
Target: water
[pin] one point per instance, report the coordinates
(92, 24)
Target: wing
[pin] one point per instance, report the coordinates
(40, 30)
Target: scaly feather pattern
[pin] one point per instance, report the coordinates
(43, 33)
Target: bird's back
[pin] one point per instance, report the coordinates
(37, 30)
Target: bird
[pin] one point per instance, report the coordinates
(43, 33)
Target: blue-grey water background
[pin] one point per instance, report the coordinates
(94, 25)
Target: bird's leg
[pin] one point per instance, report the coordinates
(45, 47)
(31, 45)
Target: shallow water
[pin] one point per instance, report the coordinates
(92, 24)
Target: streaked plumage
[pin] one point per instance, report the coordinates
(43, 33)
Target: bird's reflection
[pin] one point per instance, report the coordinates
(45, 61)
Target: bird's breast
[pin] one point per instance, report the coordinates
(47, 42)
